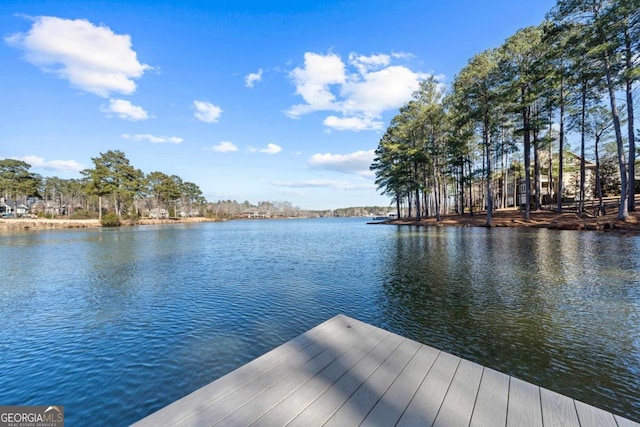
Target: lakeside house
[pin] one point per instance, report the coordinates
(254, 214)
(189, 213)
(158, 213)
(510, 187)
(10, 207)
(570, 179)
(161, 213)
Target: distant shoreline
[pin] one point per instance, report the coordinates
(25, 224)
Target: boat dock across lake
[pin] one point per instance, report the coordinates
(345, 372)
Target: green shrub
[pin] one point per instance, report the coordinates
(110, 220)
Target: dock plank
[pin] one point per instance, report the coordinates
(292, 405)
(524, 408)
(623, 422)
(424, 407)
(491, 403)
(458, 404)
(393, 402)
(358, 406)
(346, 372)
(339, 392)
(558, 410)
(591, 416)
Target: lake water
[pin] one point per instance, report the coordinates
(117, 323)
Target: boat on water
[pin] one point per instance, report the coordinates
(387, 217)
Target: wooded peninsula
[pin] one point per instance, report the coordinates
(469, 147)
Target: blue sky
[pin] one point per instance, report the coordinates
(251, 100)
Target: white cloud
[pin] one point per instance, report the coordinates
(92, 58)
(271, 149)
(252, 78)
(353, 123)
(386, 89)
(402, 55)
(334, 185)
(125, 110)
(314, 80)
(154, 139)
(224, 147)
(360, 93)
(54, 165)
(207, 112)
(353, 163)
(365, 63)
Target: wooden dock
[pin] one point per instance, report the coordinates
(347, 373)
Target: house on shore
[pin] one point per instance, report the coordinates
(570, 180)
(10, 207)
(158, 213)
(509, 187)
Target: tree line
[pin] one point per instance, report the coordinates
(112, 185)
(447, 145)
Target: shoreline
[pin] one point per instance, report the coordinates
(26, 224)
(501, 218)
(538, 219)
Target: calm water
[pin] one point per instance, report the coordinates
(118, 323)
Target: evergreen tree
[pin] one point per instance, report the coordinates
(478, 89)
(17, 181)
(113, 175)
